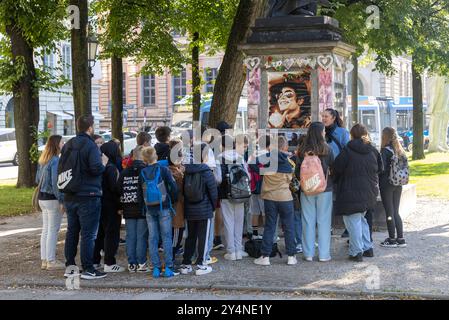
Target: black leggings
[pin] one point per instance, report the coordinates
(197, 230)
(108, 237)
(177, 239)
(391, 198)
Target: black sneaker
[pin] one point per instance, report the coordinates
(357, 258)
(369, 253)
(401, 242)
(218, 244)
(389, 243)
(92, 275)
(345, 234)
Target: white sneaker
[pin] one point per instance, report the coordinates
(143, 268)
(55, 265)
(309, 259)
(238, 255)
(113, 269)
(244, 254)
(70, 271)
(132, 268)
(43, 264)
(292, 261)
(98, 266)
(325, 260)
(262, 261)
(230, 256)
(203, 269)
(185, 269)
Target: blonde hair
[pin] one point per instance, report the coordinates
(51, 149)
(389, 136)
(137, 153)
(149, 155)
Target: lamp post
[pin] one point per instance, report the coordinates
(92, 43)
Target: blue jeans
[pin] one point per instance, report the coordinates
(83, 216)
(316, 211)
(359, 235)
(160, 222)
(298, 226)
(285, 210)
(136, 241)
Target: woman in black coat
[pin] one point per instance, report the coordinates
(356, 172)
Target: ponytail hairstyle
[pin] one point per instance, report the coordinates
(390, 138)
(336, 115)
(359, 131)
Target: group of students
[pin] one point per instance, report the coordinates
(168, 193)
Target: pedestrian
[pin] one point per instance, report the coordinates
(200, 196)
(110, 219)
(177, 169)
(315, 159)
(143, 139)
(235, 176)
(50, 202)
(257, 161)
(99, 140)
(356, 169)
(337, 137)
(391, 194)
(79, 178)
(278, 202)
(162, 147)
(134, 212)
(160, 190)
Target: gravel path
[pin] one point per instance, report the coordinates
(422, 267)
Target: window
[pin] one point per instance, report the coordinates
(124, 88)
(49, 62)
(368, 119)
(149, 90)
(211, 75)
(180, 86)
(67, 61)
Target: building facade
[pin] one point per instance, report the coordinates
(150, 100)
(56, 108)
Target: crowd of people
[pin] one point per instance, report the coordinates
(177, 203)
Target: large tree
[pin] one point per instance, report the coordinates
(232, 75)
(28, 30)
(137, 30)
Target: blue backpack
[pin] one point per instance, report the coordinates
(155, 192)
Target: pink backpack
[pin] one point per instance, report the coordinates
(313, 180)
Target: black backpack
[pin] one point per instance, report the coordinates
(252, 247)
(194, 187)
(69, 169)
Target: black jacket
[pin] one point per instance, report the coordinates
(356, 171)
(386, 159)
(91, 167)
(111, 197)
(130, 191)
(204, 209)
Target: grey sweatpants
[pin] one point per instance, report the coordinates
(233, 215)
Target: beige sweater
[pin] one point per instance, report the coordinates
(276, 187)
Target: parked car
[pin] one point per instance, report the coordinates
(8, 146)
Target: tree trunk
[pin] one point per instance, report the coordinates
(196, 78)
(232, 74)
(117, 98)
(26, 106)
(355, 90)
(80, 64)
(418, 115)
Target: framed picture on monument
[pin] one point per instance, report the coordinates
(289, 99)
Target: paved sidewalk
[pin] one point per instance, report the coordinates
(421, 268)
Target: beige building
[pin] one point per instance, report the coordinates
(151, 99)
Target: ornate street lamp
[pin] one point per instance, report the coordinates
(92, 47)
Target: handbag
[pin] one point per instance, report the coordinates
(35, 199)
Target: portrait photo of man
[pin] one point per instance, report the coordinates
(289, 99)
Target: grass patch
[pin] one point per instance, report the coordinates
(14, 201)
(431, 175)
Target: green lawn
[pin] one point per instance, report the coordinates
(431, 175)
(13, 201)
